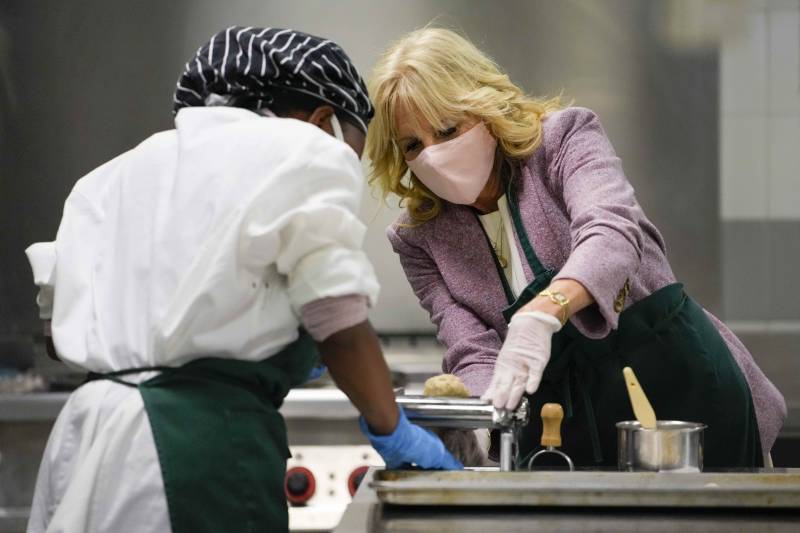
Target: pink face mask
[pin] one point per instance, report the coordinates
(457, 170)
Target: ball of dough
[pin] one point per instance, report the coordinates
(445, 385)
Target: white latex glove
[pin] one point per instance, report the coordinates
(522, 359)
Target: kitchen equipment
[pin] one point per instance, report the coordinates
(768, 489)
(469, 413)
(606, 501)
(674, 446)
(641, 405)
(660, 446)
(320, 481)
(552, 415)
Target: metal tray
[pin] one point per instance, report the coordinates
(590, 489)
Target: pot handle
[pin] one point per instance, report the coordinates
(552, 415)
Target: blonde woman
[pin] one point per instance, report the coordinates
(524, 241)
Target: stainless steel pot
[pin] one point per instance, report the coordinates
(674, 446)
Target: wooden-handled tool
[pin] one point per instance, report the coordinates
(641, 406)
(552, 415)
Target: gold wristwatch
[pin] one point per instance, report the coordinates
(558, 298)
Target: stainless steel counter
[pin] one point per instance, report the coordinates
(33, 407)
(367, 513)
(300, 403)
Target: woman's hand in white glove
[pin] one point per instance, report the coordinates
(522, 359)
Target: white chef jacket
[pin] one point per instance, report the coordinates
(204, 241)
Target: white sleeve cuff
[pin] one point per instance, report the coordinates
(331, 272)
(42, 257)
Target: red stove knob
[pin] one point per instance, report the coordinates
(355, 479)
(299, 485)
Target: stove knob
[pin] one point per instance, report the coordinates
(356, 476)
(299, 485)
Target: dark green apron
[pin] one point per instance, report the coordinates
(221, 442)
(678, 356)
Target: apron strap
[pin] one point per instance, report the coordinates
(115, 376)
(530, 255)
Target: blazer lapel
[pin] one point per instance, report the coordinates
(466, 263)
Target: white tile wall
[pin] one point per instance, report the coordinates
(760, 114)
(784, 166)
(777, 4)
(743, 163)
(784, 60)
(754, 5)
(743, 71)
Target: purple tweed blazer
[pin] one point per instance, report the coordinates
(583, 220)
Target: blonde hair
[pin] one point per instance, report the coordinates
(442, 75)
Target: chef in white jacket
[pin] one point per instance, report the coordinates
(197, 278)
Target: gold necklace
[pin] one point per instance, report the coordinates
(497, 245)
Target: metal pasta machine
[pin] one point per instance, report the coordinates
(469, 413)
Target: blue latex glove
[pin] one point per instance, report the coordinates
(410, 443)
(316, 372)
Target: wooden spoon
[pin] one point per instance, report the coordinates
(641, 406)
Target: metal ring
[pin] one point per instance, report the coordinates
(550, 449)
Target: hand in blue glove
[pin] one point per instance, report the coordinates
(316, 372)
(410, 443)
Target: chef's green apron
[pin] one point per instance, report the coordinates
(221, 442)
(678, 356)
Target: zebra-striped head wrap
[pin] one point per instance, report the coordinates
(255, 63)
